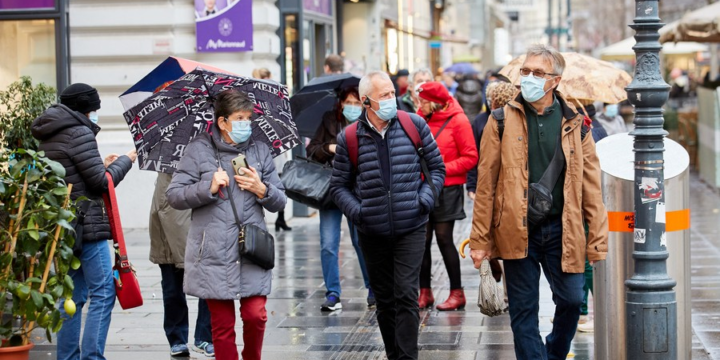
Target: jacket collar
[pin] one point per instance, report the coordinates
(568, 111)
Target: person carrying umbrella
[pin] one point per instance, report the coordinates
(506, 220)
(214, 269)
(453, 134)
(322, 149)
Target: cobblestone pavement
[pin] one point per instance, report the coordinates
(297, 329)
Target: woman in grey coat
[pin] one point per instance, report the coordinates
(213, 268)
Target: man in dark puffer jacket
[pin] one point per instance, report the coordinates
(389, 202)
(67, 135)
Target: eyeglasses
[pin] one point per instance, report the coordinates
(536, 73)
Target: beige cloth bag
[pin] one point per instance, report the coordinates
(491, 295)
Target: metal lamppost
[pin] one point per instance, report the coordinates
(651, 309)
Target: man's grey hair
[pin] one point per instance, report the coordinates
(549, 53)
(419, 72)
(365, 86)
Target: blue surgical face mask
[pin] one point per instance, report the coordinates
(611, 111)
(241, 131)
(351, 112)
(93, 116)
(532, 88)
(388, 109)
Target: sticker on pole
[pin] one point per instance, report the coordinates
(660, 213)
(639, 236)
(649, 190)
(663, 240)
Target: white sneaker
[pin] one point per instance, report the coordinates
(586, 327)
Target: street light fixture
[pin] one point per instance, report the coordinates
(651, 308)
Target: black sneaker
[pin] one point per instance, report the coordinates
(332, 303)
(371, 299)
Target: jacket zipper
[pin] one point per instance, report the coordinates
(390, 202)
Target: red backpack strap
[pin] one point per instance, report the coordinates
(352, 143)
(115, 225)
(411, 130)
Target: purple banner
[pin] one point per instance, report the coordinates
(318, 6)
(26, 4)
(223, 25)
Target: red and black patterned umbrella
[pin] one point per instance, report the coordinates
(163, 124)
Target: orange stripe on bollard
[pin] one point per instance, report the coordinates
(620, 221)
(677, 220)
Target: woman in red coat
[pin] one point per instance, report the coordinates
(454, 136)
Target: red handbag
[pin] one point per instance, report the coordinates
(126, 282)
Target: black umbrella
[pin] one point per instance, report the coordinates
(316, 98)
(335, 82)
(163, 124)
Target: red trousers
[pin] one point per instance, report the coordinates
(222, 318)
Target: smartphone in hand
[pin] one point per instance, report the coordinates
(239, 163)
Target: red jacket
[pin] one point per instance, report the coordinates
(456, 142)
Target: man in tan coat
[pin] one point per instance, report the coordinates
(515, 155)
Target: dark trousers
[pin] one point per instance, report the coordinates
(176, 310)
(523, 277)
(394, 268)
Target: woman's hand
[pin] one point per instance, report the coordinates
(220, 178)
(332, 148)
(250, 181)
(132, 154)
(110, 158)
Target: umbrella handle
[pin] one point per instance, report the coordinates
(462, 247)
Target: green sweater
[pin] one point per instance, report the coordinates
(543, 133)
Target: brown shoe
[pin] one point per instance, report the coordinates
(426, 298)
(456, 301)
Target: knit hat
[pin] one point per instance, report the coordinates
(435, 92)
(80, 97)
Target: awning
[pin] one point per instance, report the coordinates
(624, 49)
(701, 25)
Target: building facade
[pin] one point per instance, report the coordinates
(34, 40)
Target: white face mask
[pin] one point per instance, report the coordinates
(93, 116)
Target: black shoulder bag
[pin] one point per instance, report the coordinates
(254, 243)
(540, 197)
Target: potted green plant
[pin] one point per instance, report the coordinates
(35, 237)
(20, 104)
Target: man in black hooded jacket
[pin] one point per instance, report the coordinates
(66, 132)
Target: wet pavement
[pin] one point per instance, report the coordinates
(297, 329)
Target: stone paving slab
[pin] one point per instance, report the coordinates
(297, 329)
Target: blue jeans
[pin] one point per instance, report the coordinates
(175, 307)
(94, 277)
(523, 277)
(330, 221)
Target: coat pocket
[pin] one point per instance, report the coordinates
(498, 209)
(202, 247)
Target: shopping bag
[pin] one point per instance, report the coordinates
(491, 296)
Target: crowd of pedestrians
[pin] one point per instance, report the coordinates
(407, 153)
